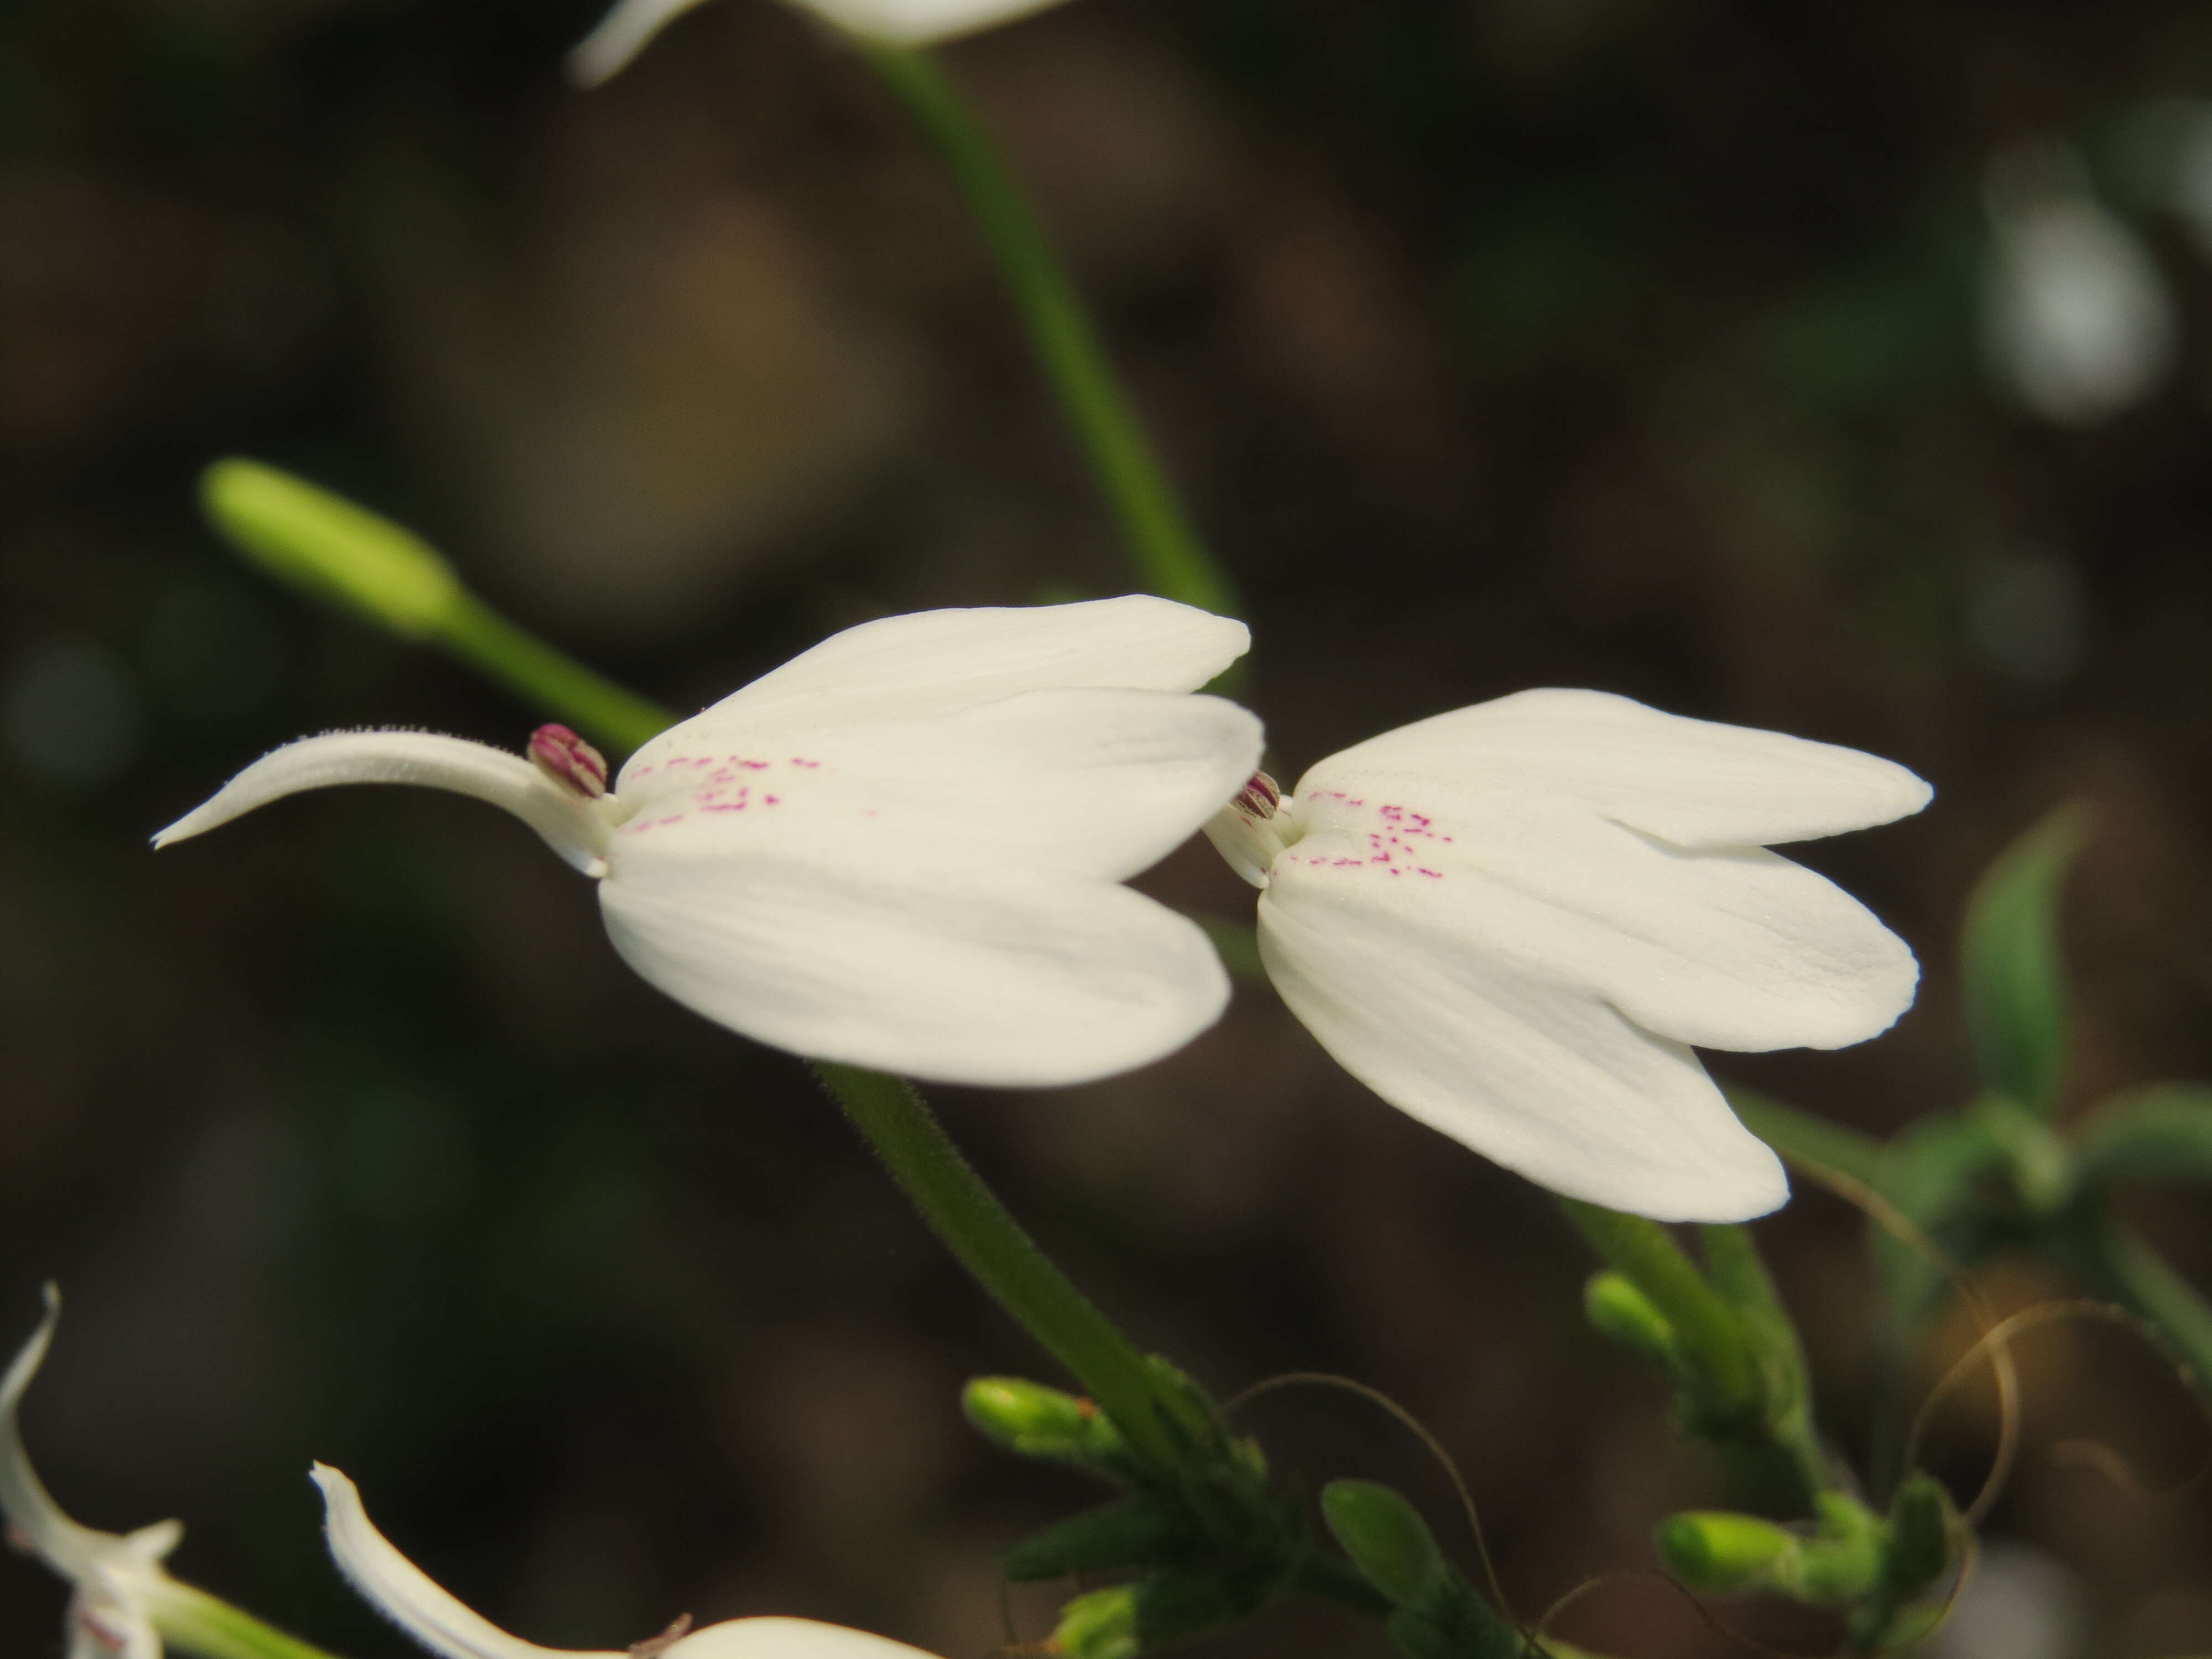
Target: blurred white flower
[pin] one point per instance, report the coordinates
(626, 30)
(1512, 921)
(904, 849)
(2077, 321)
(405, 1595)
(118, 1578)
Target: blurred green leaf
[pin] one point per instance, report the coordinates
(2163, 1132)
(2015, 981)
(1804, 1140)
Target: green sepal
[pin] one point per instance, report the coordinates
(2039, 1164)
(1809, 1142)
(1035, 1421)
(2162, 1132)
(1386, 1539)
(2015, 981)
(1144, 1529)
(1461, 1624)
(1918, 1548)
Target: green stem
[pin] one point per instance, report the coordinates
(512, 656)
(192, 1621)
(1739, 1272)
(1171, 558)
(890, 1113)
(1714, 1339)
(2122, 1266)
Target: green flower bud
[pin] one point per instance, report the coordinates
(1036, 1421)
(1615, 1307)
(1386, 1539)
(1143, 1529)
(1100, 1625)
(322, 542)
(1716, 1552)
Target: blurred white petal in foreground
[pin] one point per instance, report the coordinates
(1513, 920)
(627, 29)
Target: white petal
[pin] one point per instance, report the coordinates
(938, 662)
(916, 22)
(1017, 979)
(405, 1594)
(1555, 1084)
(1102, 783)
(621, 35)
(107, 1621)
(1696, 783)
(1733, 948)
(788, 1638)
(73, 1551)
(570, 827)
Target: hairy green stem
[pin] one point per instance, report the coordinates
(1714, 1339)
(1171, 557)
(192, 1621)
(892, 1116)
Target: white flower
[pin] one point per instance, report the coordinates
(1512, 921)
(626, 30)
(405, 1595)
(2077, 322)
(118, 1578)
(904, 849)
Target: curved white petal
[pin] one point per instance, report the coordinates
(109, 1620)
(572, 827)
(71, 1550)
(620, 36)
(1696, 783)
(788, 1638)
(1729, 948)
(915, 22)
(935, 663)
(1092, 783)
(1015, 978)
(405, 1594)
(1545, 1080)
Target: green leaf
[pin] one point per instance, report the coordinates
(1813, 1144)
(2163, 1132)
(2015, 981)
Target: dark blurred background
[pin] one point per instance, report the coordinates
(1837, 367)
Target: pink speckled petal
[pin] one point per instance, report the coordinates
(1014, 978)
(1735, 948)
(1100, 783)
(1696, 783)
(1547, 1079)
(934, 663)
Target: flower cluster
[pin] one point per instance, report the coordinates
(905, 849)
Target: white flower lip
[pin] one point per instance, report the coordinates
(410, 1599)
(904, 849)
(114, 1575)
(630, 27)
(1513, 920)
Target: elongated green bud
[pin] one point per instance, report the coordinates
(1717, 1552)
(1036, 1421)
(314, 540)
(1615, 1307)
(1100, 1625)
(1919, 1548)
(1386, 1539)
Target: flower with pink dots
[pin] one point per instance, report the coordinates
(1514, 922)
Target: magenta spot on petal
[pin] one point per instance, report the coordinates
(808, 764)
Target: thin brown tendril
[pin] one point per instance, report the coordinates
(1420, 1432)
(2089, 1453)
(1909, 1233)
(1706, 1615)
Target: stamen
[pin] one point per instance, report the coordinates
(570, 762)
(1259, 798)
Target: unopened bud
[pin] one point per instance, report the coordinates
(570, 762)
(1617, 1308)
(1040, 1422)
(1919, 1547)
(1100, 1625)
(315, 540)
(1717, 1552)
(1386, 1539)
(1259, 798)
